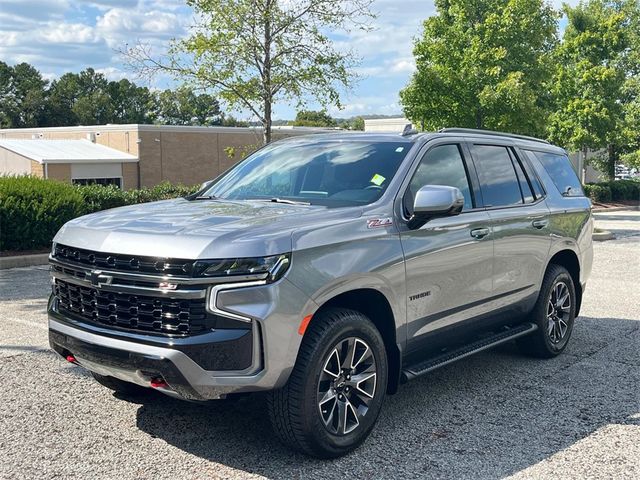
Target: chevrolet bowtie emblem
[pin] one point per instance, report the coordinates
(97, 278)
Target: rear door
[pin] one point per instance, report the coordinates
(448, 260)
(514, 200)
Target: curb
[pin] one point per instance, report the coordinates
(615, 209)
(24, 260)
(602, 236)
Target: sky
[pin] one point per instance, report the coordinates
(58, 36)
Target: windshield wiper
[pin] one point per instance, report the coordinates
(284, 200)
(206, 197)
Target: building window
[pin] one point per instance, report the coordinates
(98, 181)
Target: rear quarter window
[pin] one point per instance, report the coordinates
(561, 172)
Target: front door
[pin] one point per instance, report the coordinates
(449, 261)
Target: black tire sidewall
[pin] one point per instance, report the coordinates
(558, 275)
(355, 325)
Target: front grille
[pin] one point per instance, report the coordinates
(125, 263)
(132, 312)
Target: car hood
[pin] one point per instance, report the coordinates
(198, 229)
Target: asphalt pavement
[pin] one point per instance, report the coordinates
(495, 415)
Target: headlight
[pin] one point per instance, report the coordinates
(270, 268)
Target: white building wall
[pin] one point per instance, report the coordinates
(386, 124)
(96, 170)
(13, 164)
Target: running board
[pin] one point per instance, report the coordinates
(446, 358)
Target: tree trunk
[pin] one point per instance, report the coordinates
(266, 126)
(479, 119)
(611, 164)
(266, 76)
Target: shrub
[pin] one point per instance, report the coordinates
(32, 210)
(598, 192)
(162, 191)
(624, 190)
(102, 197)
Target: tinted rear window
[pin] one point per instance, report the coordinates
(561, 172)
(498, 181)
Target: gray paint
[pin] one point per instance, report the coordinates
(336, 250)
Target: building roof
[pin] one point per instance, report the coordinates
(66, 151)
(141, 127)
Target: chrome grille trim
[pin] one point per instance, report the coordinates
(145, 277)
(133, 289)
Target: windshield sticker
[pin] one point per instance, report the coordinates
(377, 179)
(399, 149)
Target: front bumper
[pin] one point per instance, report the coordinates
(191, 366)
(139, 363)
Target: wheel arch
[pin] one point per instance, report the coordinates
(373, 304)
(569, 259)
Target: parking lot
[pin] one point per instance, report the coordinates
(495, 415)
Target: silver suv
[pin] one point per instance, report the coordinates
(327, 270)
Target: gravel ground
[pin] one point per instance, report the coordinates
(495, 415)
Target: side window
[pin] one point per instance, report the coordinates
(561, 172)
(498, 181)
(533, 178)
(442, 165)
(525, 188)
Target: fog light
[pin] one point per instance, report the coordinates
(158, 383)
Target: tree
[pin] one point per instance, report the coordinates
(22, 96)
(356, 123)
(593, 77)
(80, 99)
(184, 107)
(483, 64)
(256, 52)
(310, 118)
(130, 103)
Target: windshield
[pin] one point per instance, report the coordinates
(324, 172)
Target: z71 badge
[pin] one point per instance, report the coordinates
(379, 222)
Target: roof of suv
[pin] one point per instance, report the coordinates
(413, 136)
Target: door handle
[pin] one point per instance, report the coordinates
(540, 223)
(480, 232)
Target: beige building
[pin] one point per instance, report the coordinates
(396, 125)
(130, 156)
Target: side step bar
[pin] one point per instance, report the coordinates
(430, 364)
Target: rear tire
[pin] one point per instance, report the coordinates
(120, 386)
(335, 392)
(554, 313)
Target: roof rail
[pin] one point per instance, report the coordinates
(491, 132)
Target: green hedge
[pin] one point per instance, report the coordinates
(617, 190)
(98, 197)
(32, 210)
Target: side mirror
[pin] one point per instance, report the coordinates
(435, 201)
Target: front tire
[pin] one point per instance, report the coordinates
(554, 313)
(335, 392)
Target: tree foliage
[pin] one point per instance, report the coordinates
(310, 118)
(184, 107)
(483, 64)
(254, 53)
(22, 95)
(89, 98)
(595, 83)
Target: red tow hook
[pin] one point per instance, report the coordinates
(71, 359)
(158, 383)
